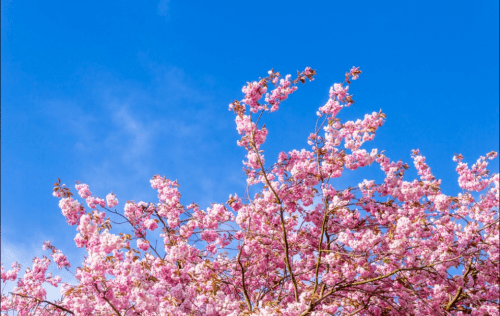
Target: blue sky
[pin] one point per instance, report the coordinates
(111, 93)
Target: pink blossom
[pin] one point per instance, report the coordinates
(299, 242)
(143, 244)
(83, 190)
(151, 224)
(111, 200)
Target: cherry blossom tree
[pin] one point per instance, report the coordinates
(300, 246)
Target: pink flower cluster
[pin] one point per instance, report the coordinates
(71, 209)
(299, 246)
(111, 200)
(253, 93)
(10, 275)
(281, 92)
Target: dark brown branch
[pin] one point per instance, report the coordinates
(318, 263)
(459, 291)
(283, 229)
(245, 293)
(44, 301)
(107, 301)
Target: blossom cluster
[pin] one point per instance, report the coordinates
(299, 246)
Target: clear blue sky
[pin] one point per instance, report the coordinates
(113, 92)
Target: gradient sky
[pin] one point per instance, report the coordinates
(111, 93)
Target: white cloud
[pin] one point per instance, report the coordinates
(118, 137)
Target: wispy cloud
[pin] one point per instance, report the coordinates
(163, 9)
(126, 132)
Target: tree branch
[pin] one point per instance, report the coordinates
(44, 301)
